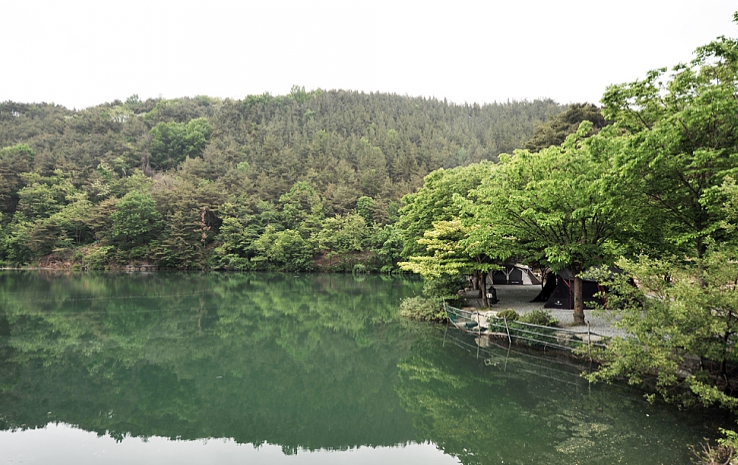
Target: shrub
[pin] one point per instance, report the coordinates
(421, 308)
(539, 317)
(443, 287)
(509, 314)
(96, 257)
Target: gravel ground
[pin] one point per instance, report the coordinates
(519, 298)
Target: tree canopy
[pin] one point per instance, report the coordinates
(555, 130)
(681, 142)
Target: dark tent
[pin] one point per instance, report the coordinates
(548, 288)
(514, 274)
(563, 295)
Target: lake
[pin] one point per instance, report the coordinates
(297, 369)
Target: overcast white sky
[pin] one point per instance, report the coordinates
(80, 53)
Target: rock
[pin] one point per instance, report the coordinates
(593, 338)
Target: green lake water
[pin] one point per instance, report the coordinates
(175, 368)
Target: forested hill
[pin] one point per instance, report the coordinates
(198, 182)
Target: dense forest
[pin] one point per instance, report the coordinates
(309, 180)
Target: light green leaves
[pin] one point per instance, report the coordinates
(173, 142)
(557, 203)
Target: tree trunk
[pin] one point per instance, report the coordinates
(701, 248)
(578, 301)
(485, 299)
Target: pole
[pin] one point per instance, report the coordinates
(479, 335)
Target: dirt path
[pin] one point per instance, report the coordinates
(518, 298)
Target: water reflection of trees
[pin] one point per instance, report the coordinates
(517, 408)
(316, 361)
(304, 362)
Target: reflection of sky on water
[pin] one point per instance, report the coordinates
(64, 444)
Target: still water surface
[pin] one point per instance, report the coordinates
(281, 369)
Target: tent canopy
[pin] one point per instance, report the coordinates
(562, 294)
(514, 274)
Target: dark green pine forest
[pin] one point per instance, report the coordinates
(300, 182)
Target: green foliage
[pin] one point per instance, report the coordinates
(291, 252)
(236, 236)
(299, 95)
(43, 196)
(342, 235)
(559, 204)
(680, 144)
(180, 248)
(539, 317)
(692, 313)
(172, 142)
(449, 256)
(445, 257)
(445, 248)
(14, 161)
(679, 158)
(283, 250)
(17, 241)
(444, 287)
(17, 152)
(302, 207)
(46, 236)
(562, 207)
(135, 220)
(287, 161)
(434, 202)
(555, 130)
(509, 315)
(421, 308)
(97, 257)
(365, 209)
(386, 245)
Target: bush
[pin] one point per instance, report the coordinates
(96, 257)
(509, 314)
(539, 317)
(443, 287)
(421, 308)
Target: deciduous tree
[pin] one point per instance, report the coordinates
(562, 205)
(681, 141)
